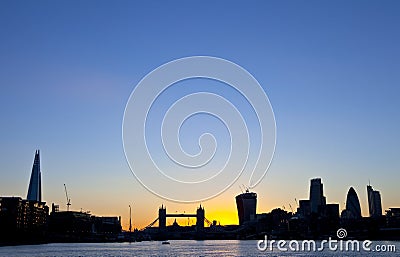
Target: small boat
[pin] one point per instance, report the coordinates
(165, 243)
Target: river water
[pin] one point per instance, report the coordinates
(179, 248)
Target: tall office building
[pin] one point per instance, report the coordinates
(374, 202)
(317, 198)
(246, 205)
(353, 208)
(35, 183)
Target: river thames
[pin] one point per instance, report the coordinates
(178, 248)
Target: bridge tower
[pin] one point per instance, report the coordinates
(162, 218)
(200, 219)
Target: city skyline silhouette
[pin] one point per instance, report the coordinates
(330, 71)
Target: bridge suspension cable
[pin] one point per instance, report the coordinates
(150, 225)
(209, 223)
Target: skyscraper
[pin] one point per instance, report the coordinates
(246, 205)
(353, 208)
(374, 202)
(317, 198)
(35, 183)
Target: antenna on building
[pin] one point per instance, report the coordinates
(241, 189)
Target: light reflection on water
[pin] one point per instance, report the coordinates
(176, 248)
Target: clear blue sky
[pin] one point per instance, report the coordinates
(330, 69)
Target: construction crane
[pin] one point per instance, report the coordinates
(68, 199)
(291, 207)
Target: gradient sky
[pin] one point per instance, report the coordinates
(330, 69)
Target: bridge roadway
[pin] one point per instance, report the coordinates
(179, 215)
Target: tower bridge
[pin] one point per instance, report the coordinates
(163, 215)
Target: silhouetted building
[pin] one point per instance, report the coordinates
(317, 198)
(81, 226)
(70, 223)
(35, 183)
(22, 219)
(107, 225)
(304, 209)
(246, 205)
(332, 211)
(374, 202)
(393, 217)
(55, 207)
(314, 217)
(13, 215)
(353, 208)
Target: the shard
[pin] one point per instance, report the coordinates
(35, 184)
